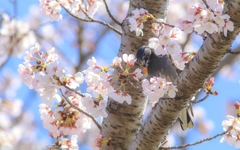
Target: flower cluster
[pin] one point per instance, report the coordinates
(166, 44)
(78, 6)
(95, 106)
(136, 21)
(208, 19)
(208, 85)
(18, 124)
(232, 125)
(139, 17)
(17, 33)
(100, 80)
(65, 143)
(120, 94)
(64, 122)
(157, 88)
(52, 8)
(44, 73)
(101, 141)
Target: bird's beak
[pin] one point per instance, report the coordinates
(145, 70)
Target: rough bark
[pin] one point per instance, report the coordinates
(124, 120)
(188, 82)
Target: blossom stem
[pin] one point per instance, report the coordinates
(110, 15)
(81, 111)
(172, 26)
(198, 101)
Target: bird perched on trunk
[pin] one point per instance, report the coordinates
(161, 66)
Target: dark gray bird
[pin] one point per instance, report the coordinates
(160, 66)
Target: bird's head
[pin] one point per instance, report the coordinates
(143, 57)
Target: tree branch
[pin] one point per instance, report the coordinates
(110, 15)
(93, 20)
(200, 100)
(81, 111)
(198, 142)
(72, 90)
(189, 81)
(233, 52)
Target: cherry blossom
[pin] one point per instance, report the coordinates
(117, 61)
(166, 44)
(101, 141)
(129, 60)
(120, 96)
(208, 85)
(157, 87)
(136, 21)
(202, 19)
(157, 26)
(17, 33)
(94, 107)
(232, 137)
(175, 34)
(76, 7)
(43, 72)
(158, 45)
(70, 144)
(232, 126)
(51, 9)
(65, 143)
(61, 122)
(137, 74)
(11, 131)
(100, 82)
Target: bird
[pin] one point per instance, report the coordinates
(161, 66)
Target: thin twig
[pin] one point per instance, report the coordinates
(231, 52)
(206, 4)
(72, 90)
(85, 113)
(15, 9)
(200, 100)
(172, 26)
(98, 21)
(93, 20)
(199, 142)
(110, 15)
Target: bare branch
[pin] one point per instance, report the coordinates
(200, 100)
(93, 20)
(85, 113)
(231, 52)
(72, 90)
(199, 142)
(82, 56)
(110, 15)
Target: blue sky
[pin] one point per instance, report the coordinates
(215, 106)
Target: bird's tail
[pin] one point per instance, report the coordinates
(185, 119)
